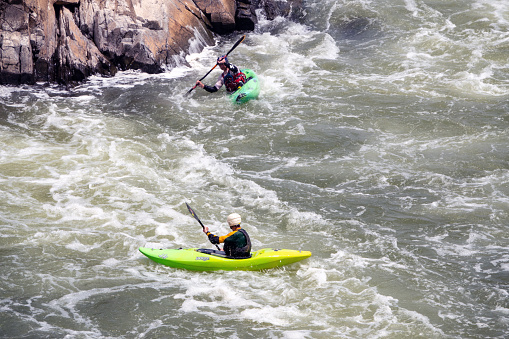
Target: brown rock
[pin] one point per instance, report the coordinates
(275, 8)
(148, 35)
(221, 14)
(78, 57)
(245, 16)
(67, 40)
(15, 50)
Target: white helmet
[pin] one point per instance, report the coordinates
(233, 219)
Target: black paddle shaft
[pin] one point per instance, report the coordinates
(196, 217)
(231, 49)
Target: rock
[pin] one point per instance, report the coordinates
(15, 50)
(135, 36)
(221, 14)
(78, 57)
(245, 16)
(274, 8)
(65, 41)
(43, 39)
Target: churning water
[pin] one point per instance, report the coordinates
(379, 142)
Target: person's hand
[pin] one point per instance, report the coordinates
(199, 84)
(205, 230)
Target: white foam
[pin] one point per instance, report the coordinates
(96, 182)
(411, 6)
(297, 334)
(477, 83)
(78, 246)
(277, 316)
(327, 50)
(111, 262)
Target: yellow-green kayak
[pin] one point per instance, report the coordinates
(211, 260)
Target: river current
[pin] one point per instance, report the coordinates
(379, 142)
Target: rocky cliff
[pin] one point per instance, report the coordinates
(65, 41)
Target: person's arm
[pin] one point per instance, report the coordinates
(214, 238)
(210, 89)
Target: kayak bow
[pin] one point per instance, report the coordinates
(250, 90)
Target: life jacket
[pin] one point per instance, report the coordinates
(239, 252)
(233, 82)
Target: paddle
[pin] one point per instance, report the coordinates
(234, 46)
(196, 217)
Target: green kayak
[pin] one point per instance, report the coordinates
(250, 90)
(212, 260)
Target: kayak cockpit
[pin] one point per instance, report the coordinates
(217, 253)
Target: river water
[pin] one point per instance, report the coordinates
(379, 142)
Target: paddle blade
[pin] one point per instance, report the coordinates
(194, 214)
(192, 211)
(187, 94)
(236, 44)
(196, 217)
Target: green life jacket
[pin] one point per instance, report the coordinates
(238, 245)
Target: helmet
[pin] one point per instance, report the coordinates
(233, 219)
(225, 58)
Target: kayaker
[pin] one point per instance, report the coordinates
(236, 243)
(232, 78)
